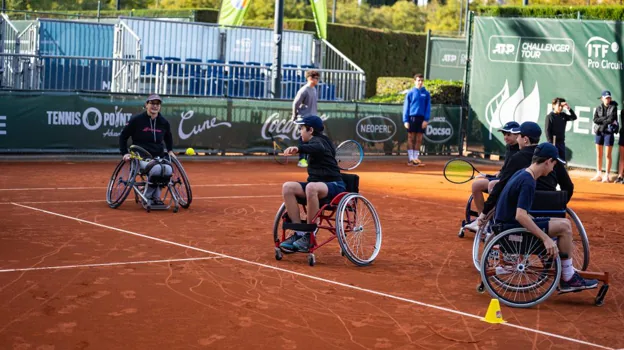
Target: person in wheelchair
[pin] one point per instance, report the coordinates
(324, 179)
(529, 136)
(486, 184)
(512, 212)
(149, 129)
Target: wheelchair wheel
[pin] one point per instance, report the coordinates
(516, 269)
(481, 239)
(181, 184)
(279, 235)
(121, 182)
(471, 214)
(358, 229)
(580, 255)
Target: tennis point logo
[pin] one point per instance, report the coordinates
(439, 130)
(375, 128)
(91, 119)
(531, 50)
(284, 128)
(505, 107)
(597, 51)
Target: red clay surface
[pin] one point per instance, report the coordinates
(157, 300)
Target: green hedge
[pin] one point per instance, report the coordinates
(442, 91)
(615, 13)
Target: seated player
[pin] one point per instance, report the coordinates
(324, 179)
(512, 212)
(486, 184)
(148, 130)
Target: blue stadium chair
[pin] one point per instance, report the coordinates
(150, 67)
(194, 70)
(331, 93)
(215, 86)
(215, 71)
(306, 66)
(290, 74)
(173, 66)
(197, 86)
(252, 72)
(236, 72)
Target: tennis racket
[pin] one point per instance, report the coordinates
(459, 171)
(349, 154)
(278, 150)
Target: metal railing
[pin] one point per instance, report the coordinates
(127, 45)
(29, 39)
(142, 76)
(330, 59)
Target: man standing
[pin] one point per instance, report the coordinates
(556, 122)
(416, 112)
(305, 105)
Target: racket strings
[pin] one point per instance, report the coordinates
(348, 155)
(459, 171)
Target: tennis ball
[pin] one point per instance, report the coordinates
(190, 152)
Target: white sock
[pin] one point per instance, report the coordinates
(567, 271)
(410, 154)
(416, 154)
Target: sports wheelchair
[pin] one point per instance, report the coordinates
(133, 175)
(345, 216)
(543, 204)
(514, 266)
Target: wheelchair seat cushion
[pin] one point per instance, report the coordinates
(549, 203)
(352, 182)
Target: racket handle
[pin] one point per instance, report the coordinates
(554, 140)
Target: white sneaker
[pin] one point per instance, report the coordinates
(598, 177)
(473, 226)
(606, 179)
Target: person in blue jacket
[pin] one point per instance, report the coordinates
(416, 112)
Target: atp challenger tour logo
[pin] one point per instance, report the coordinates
(504, 107)
(92, 119)
(602, 54)
(531, 50)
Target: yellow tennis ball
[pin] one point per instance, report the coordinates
(190, 152)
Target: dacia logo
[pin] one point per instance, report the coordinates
(599, 47)
(504, 49)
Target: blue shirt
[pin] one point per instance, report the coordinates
(518, 193)
(417, 102)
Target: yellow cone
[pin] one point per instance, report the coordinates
(494, 313)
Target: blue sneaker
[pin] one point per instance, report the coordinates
(303, 244)
(576, 284)
(287, 246)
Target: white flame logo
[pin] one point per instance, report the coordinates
(504, 108)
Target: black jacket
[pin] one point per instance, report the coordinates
(511, 150)
(522, 160)
(604, 116)
(147, 133)
(556, 125)
(322, 164)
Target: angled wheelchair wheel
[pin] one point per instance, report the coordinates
(181, 184)
(516, 269)
(481, 239)
(358, 229)
(121, 182)
(580, 255)
(470, 212)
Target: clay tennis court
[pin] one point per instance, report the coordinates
(75, 274)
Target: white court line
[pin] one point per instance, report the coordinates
(28, 269)
(99, 188)
(103, 200)
(364, 290)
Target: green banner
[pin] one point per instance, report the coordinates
(232, 12)
(519, 65)
(446, 59)
(89, 122)
(319, 9)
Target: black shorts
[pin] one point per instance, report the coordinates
(333, 188)
(415, 124)
(541, 222)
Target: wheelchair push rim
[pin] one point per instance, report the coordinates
(181, 184)
(516, 270)
(358, 229)
(580, 253)
(121, 182)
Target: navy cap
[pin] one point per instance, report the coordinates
(530, 129)
(154, 97)
(606, 93)
(547, 150)
(313, 121)
(509, 126)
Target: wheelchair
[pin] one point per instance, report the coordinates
(544, 201)
(346, 216)
(514, 266)
(132, 176)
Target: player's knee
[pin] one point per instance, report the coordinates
(289, 188)
(312, 190)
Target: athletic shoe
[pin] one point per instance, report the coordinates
(303, 243)
(576, 283)
(157, 201)
(606, 179)
(409, 163)
(416, 162)
(287, 245)
(619, 180)
(302, 163)
(473, 226)
(598, 177)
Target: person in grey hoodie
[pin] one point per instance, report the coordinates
(305, 103)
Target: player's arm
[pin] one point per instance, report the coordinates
(548, 127)
(299, 98)
(572, 116)
(314, 146)
(169, 140)
(126, 133)
(564, 180)
(525, 220)
(427, 110)
(406, 105)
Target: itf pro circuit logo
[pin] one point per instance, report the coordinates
(602, 54)
(504, 107)
(531, 50)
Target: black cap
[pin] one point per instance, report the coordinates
(530, 129)
(547, 150)
(313, 121)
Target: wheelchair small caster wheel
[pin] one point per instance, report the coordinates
(311, 259)
(481, 288)
(342, 252)
(601, 295)
(460, 234)
(278, 254)
(148, 208)
(175, 209)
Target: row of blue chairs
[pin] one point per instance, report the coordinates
(215, 86)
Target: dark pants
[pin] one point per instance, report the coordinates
(562, 150)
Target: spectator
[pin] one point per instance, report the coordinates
(556, 123)
(605, 127)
